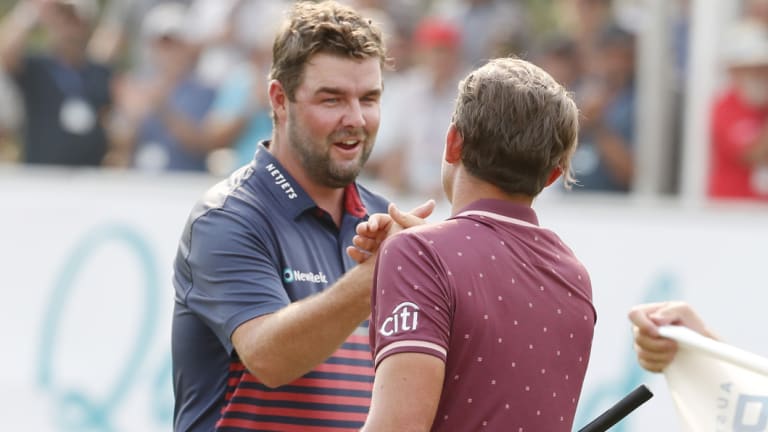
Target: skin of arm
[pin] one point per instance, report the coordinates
(222, 133)
(655, 352)
(406, 393)
(14, 30)
(280, 347)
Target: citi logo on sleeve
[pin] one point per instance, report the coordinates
(281, 181)
(404, 317)
(291, 275)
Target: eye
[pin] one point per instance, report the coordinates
(331, 101)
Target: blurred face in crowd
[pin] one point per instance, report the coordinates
(751, 82)
(442, 61)
(171, 55)
(332, 124)
(617, 63)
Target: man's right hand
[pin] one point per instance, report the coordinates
(655, 352)
(380, 226)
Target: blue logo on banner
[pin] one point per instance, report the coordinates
(75, 409)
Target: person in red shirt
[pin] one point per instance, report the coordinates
(739, 154)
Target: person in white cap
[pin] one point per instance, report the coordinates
(739, 134)
(66, 95)
(158, 114)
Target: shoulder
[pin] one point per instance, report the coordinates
(423, 240)
(236, 198)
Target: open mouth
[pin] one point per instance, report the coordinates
(349, 144)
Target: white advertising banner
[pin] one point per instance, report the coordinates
(716, 386)
(85, 271)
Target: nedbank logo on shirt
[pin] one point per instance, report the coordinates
(290, 275)
(281, 181)
(404, 317)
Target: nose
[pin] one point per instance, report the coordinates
(354, 116)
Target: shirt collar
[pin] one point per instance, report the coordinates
(504, 208)
(289, 194)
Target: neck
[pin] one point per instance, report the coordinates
(329, 199)
(468, 189)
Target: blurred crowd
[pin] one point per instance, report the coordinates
(158, 85)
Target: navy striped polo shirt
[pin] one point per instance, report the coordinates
(255, 243)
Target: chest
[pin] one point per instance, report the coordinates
(310, 253)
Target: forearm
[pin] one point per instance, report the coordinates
(406, 393)
(221, 133)
(185, 131)
(280, 347)
(14, 31)
(615, 152)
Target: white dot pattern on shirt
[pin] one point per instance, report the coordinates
(545, 329)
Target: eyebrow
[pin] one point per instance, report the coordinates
(338, 91)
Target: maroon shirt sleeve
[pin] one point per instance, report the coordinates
(412, 299)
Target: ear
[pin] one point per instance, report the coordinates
(454, 142)
(554, 175)
(277, 99)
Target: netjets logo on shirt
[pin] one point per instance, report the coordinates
(404, 317)
(290, 275)
(281, 181)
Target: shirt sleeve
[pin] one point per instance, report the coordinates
(412, 300)
(234, 274)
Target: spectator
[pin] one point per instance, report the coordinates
(157, 125)
(10, 119)
(240, 116)
(558, 55)
(604, 160)
(115, 39)
(739, 137)
(425, 105)
(487, 26)
(66, 95)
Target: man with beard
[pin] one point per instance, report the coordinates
(269, 327)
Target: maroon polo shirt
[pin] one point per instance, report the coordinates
(503, 302)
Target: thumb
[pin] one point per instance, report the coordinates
(406, 220)
(424, 210)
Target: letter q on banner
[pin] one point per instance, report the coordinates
(716, 386)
